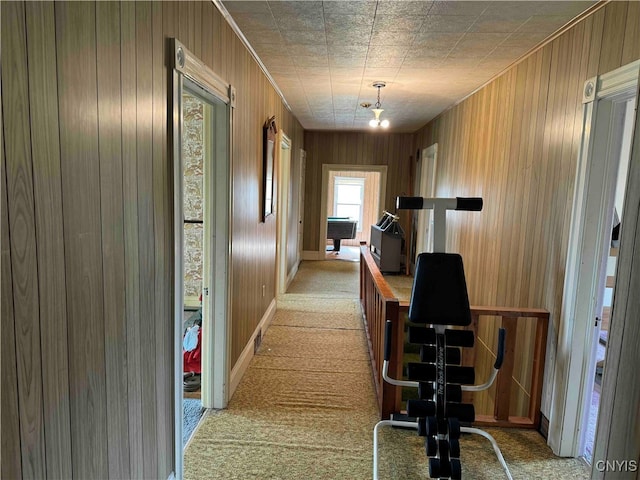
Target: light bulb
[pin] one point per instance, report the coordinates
(384, 123)
(373, 122)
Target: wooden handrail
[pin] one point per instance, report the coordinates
(380, 304)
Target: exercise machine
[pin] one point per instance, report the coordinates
(439, 300)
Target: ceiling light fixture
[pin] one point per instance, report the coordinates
(376, 122)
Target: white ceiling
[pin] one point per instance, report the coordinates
(325, 55)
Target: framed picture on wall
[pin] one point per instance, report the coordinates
(269, 134)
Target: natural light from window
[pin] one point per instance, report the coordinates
(348, 198)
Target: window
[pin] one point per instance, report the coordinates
(348, 196)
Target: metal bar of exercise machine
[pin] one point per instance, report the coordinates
(439, 378)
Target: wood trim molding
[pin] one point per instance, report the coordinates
(239, 369)
(195, 69)
(312, 255)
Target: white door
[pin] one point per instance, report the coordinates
(424, 235)
(282, 212)
(303, 165)
(605, 103)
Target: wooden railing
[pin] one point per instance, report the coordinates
(379, 304)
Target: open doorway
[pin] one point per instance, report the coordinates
(425, 186)
(283, 213)
(353, 196)
(621, 120)
(202, 105)
(608, 117)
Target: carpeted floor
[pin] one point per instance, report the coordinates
(306, 407)
(192, 411)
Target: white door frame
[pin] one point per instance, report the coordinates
(188, 69)
(588, 238)
(301, 179)
(330, 167)
(282, 212)
(429, 163)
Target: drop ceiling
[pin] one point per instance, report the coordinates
(324, 56)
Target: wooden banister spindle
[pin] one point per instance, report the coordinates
(504, 380)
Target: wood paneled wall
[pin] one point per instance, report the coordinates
(354, 148)
(87, 240)
(515, 143)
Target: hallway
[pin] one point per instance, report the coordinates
(306, 406)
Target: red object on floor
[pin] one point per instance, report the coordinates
(192, 361)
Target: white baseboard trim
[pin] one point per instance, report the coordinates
(238, 370)
(313, 255)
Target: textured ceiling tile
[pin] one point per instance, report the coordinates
(424, 62)
(255, 21)
(455, 7)
(246, 6)
(394, 7)
(304, 37)
(447, 23)
(346, 62)
(565, 8)
(314, 70)
(511, 10)
(388, 50)
(346, 73)
(377, 74)
(494, 24)
(349, 8)
(428, 52)
(267, 49)
(481, 40)
(299, 22)
(527, 40)
(394, 23)
(317, 49)
(341, 22)
(461, 62)
(544, 23)
(317, 52)
(302, 8)
(310, 61)
(374, 62)
(347, 50)
(437, 39)
(277, 61)
(349, 37)
(264, 36)
(392, 38)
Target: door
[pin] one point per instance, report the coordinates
(303, 165)
(211, 188)
(605, 109)
(283, 209)
(424, 235)
(617, 115)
